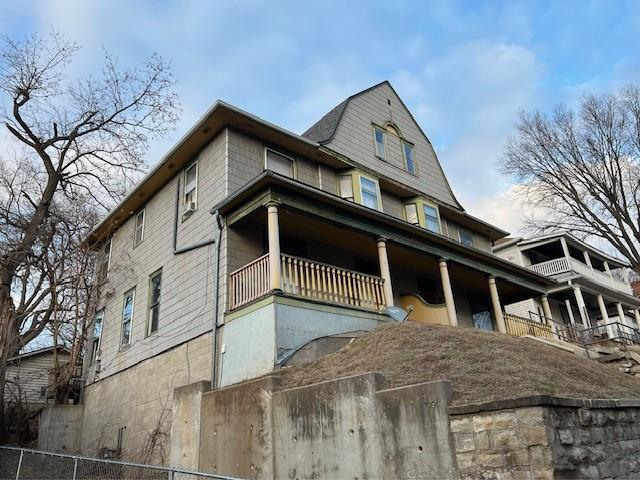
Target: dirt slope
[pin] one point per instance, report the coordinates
(483, 366)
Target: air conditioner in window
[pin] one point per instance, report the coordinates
(191, 207)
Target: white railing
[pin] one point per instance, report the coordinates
(562, 265)
(321, 281)
(249, 282)
(306, 278)
(551, 267)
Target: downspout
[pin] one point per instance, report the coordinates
(216, 308)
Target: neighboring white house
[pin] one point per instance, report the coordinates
(589, 292)
(30, 376)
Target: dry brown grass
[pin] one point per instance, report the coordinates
(483, 366)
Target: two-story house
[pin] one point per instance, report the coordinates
(592, 288)
(248, 241)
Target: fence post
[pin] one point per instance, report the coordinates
(75, 467)
(19, 465)
(172, 474)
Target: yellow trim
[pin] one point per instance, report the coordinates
(356, 185)
(420, 203)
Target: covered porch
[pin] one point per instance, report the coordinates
(289, 245)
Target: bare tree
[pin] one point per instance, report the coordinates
(580, 170)
(81, 141)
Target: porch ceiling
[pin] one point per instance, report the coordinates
(308, 202)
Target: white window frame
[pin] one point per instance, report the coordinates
(294, 167)
(405, 144)
(341, 193)
(194, 198)
(150, 306)
(131, 291)
(377, 189)
(462, 231)
(406, 215)
(97, 341)
(426, 223)
(137, 227)
(105, 266)
(384, 141)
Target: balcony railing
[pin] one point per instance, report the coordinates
(551, 267)
(306, 278)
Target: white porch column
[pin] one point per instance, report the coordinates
(587, 259)
(448, 293)
(385, 273)
(570, 311)
(497, 308)
(546, 309)
(622, 318)
(581, 306)
(603, 309)
(636, 313)
(274, 246)
(607, 269)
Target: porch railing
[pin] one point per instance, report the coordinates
(326, 282)
(520, 326)
(306, 278)
(249, 282)
(552, 267)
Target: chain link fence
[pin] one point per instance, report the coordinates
(23, 464)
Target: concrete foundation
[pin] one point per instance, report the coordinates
(346, 428)
(59, 428)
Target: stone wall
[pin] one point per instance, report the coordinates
(548, 437)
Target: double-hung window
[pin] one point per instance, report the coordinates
(431, 218)
(465, 237)
(369, 192)
(411, 213)
(380, 140)
(139, 230)
(190, 198)
(97, 334)
(279, 163)
(127, 317)
(105, 261)
(153, 318)
(345, 186)
(407, 151)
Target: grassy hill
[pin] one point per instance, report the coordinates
(483, 366)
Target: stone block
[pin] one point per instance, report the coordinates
(588, 472)
(463, 424)
(535, 435)
(464, 442)
(540, 456)
(597, 434)
(565, 436)
(482, 441)
(585, 417)
(466, 461)
(491, 460)
(608, 469)
(546, 474)
(577, 455)
(504, 440)
(531, 416)
(517, 458)
(494, 421)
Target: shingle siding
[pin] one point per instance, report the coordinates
(354, 139)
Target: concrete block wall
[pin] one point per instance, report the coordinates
(139, 400)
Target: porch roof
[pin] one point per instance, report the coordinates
(270, 186)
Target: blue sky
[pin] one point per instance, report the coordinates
(463, 68)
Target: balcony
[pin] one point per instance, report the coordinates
(564, 265)
(306, 278)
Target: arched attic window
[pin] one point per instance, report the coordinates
(393, 129)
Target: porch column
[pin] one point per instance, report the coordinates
(274, 246)
(607, 269)
(448, 293)
(622, 318)
(603, 309)
(546, 309)
(636, 313)
(384, 271)
(497, 308)
(570, 311)
(587, 259)
(577, 291)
